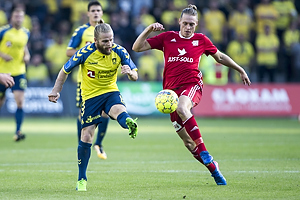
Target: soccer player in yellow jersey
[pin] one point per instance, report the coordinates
(99, 64)
(82, 36)
(13, 56)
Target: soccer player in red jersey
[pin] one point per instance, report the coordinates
(182, 53)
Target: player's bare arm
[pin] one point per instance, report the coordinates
(6, 80)
(60, 80)
(26, 55)
(141, 43)
(5, 57)
(131, 73)
(227, 61)
(71, 52)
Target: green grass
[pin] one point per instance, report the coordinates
(260, 159)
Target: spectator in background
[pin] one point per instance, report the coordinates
(37, 72)
(13, 56)
(170, 15)
(267, 44)
(36, 43)
(214, 73)
(56, 56)
(286, 14)
(242, 51)
(148, 66)
(3, 17)
(215, 22)
(265, 14)
(291, 38)
(241, 21)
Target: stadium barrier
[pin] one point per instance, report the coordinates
(233, 100)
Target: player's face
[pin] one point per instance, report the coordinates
(105, 42)
(95, 13)
(188, 25)
(17, 18)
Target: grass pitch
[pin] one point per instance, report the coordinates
(260, 159)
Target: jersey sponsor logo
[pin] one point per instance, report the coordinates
(91, 73)
(181, 59)
(181, 52)
(173, 40)
(195, 42)
(93, 63)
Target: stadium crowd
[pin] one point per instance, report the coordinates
(263, 36)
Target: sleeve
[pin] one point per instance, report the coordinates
(156, 42)
(210, 48)
(125, 57)
(77, 59)
(76, 38)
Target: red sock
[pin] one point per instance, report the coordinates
(196, 153)
(192, 129)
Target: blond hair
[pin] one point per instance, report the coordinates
(190, 10)
(101, 28)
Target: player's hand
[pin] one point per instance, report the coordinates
(125, 69)
(6, 57)
(156, 27)
(53, 97)
(245, 79)
(7, 80)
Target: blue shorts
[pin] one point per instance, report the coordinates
(91, 109)
(20, 84)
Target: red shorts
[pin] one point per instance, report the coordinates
(194, 93)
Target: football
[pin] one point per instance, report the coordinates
(166, 101)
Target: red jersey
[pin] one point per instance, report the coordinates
(182, 57)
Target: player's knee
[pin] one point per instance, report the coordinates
(189, 144)
(182, 112)
(87, 135)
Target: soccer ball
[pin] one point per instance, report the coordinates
(166, 101)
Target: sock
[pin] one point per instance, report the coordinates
(84, 153)
(102, 126)
(19, 118)
(196, 153)
(192, 129)
(122, 119)
(78, 129)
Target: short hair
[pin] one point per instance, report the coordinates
(190, 10)
(101, 28)
(94, 3)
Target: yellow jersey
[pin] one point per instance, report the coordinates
(13, 43)
(99, 71)
(82, 36)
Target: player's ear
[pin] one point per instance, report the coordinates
(95, 39)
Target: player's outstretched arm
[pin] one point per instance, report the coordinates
(227, 61)
(60, 80)
(141, 43)
(6, 80)
(131, 73)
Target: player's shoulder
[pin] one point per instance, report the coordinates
(118, 49)
(5, 27)
(25, 30)
(81, 28)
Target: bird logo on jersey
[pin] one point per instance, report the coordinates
(181, 52)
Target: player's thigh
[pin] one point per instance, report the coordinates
(2, 94)
(114, 105)
(19, 89)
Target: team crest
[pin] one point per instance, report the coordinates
(8, 43)
(195, 42)
(114, 60)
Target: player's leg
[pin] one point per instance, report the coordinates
(102, 127)
(90, 115)
(2, 95)
(116, 109)
(84, 154)
(19, 96)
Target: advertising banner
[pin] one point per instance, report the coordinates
(256, 100)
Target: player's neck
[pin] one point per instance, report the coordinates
(93, 23)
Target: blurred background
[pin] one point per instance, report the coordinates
(263, 36)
